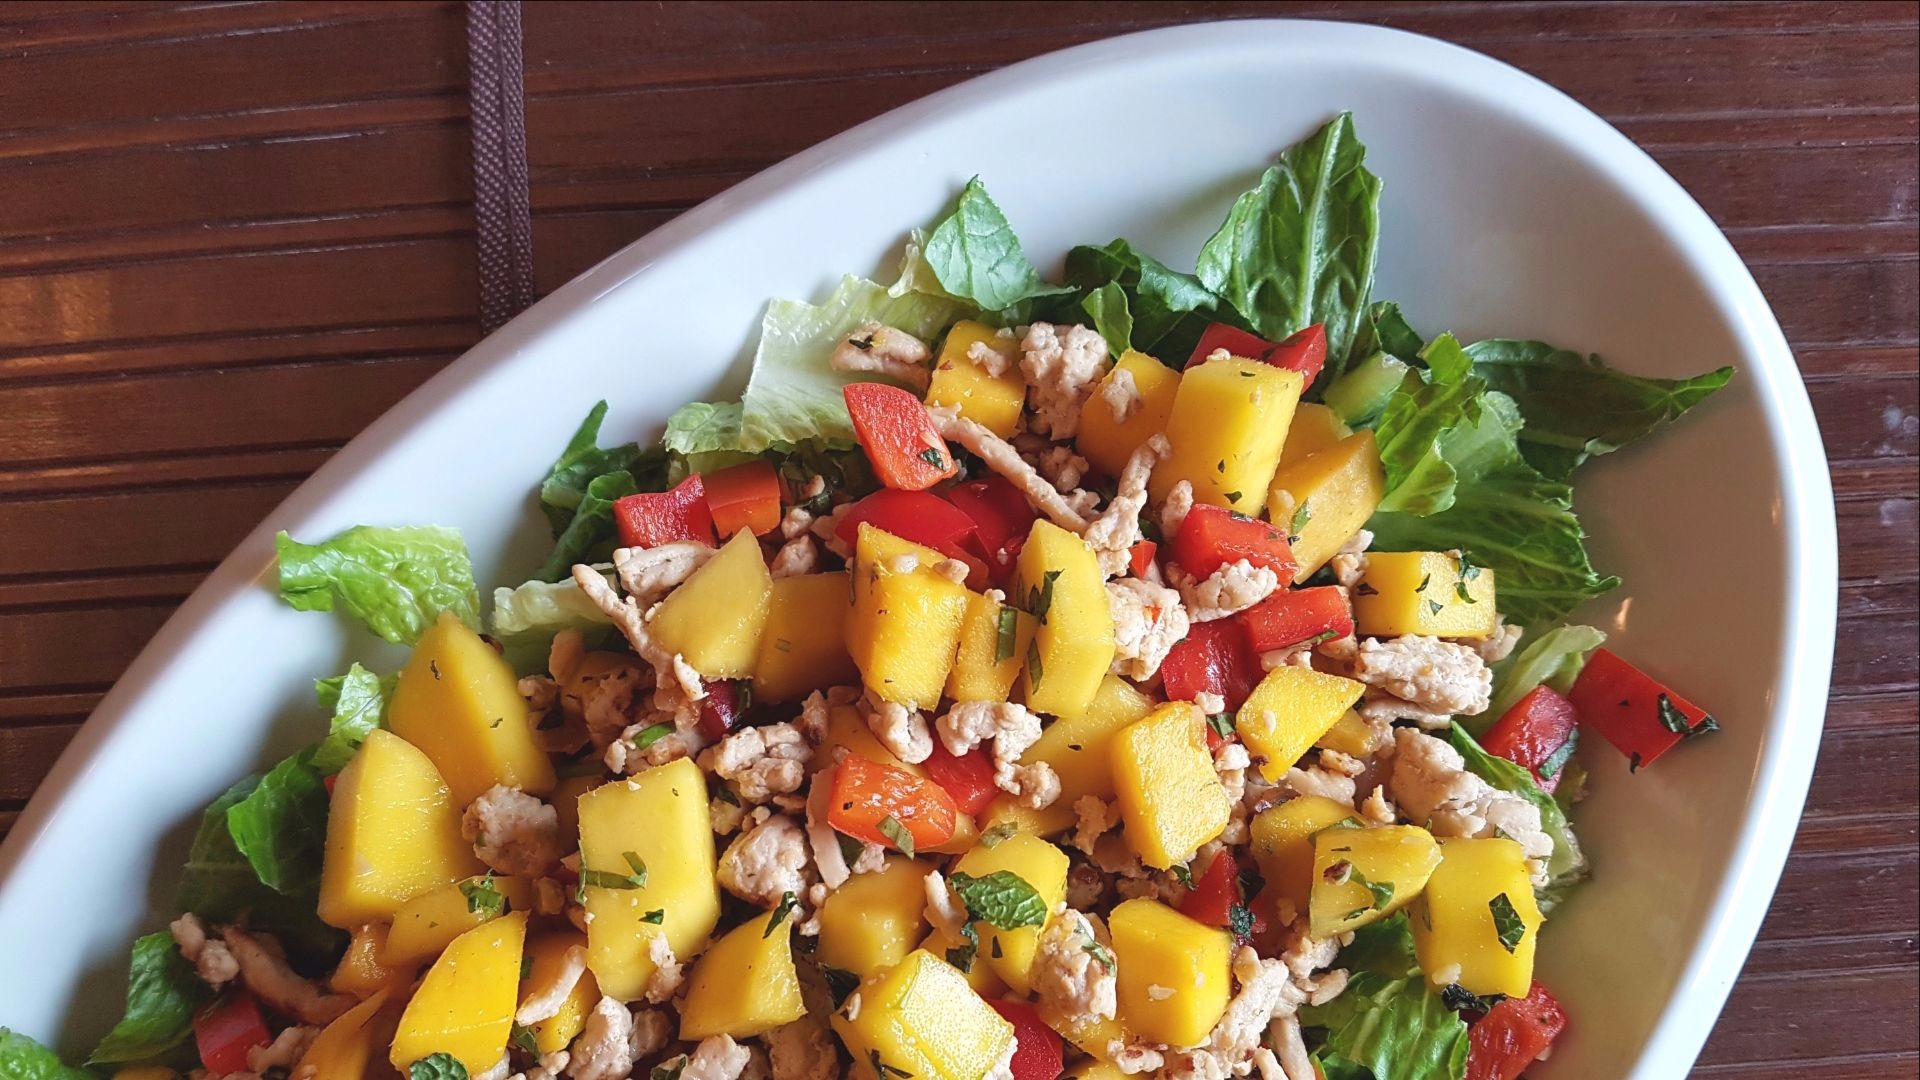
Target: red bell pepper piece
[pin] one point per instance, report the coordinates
(919, 516)
(1215, 892)
(1634, 711)
(1236, 341)
(1537, 734)
(968, 778)
(652, 518)
(1214, 536)
(744, 496)
(1214, 657)
(1001, 515)
(1291, 616)
(1140, 556)
(724, 707)
(1513, 1035)
(1039, 1053)
(894, 429)
(867, 793)
(1304, 351)
(226, 1028)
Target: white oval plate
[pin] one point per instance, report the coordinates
(1509, 209)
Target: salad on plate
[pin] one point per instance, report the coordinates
(1144, 673)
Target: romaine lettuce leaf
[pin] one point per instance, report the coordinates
(975, 255)
(1170, 310)
(1567, 866)
(1300, 247)
(1420, 480)
(1386, 330)
(1553, 658)
(358, 702)
(281, 826)
(219, 884)
(396, 581)
(526, 618)
(162, 993)
(1107, 307)
(1576, 406)
(702, 427)
(591, 535)
(23, 1059)
(582, 461)
(1388, 1022)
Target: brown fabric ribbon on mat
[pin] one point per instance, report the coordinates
(503, 215)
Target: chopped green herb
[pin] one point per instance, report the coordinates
(1324, 635)
(1040, 599)
(1185, 875)
(840, 983)
(1035, 669)
(1300, 517)
(1460, 999)
(1434, 606)
(651, 735)
(483, 899)
(1240, 921)
(1233, 496)
(788, 901)
(1507, 923)
(1557, 760)
(991, 838)
(1675, 721)
(882, 1070)
(525, 1039)
(1424, 582)
(1634, 762)
(963, 954)
(601, 879)
(1009, 636)
(782, 645)
(655, 917)
(1382, 890)
(1002, 899)
(891, 828)
(1222, 724)
(661, 1072)
(1460, 590)
(437, 1067)
(850, 849)
(1364, 589)
(1101, 953)
(724, 793)
(933, 457)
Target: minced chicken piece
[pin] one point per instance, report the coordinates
(512, 831)
(209, 955)
(768, 862)
(1431, 783)
(1120, 394)
(1174, 511)
(884, 350)
(1148, 621)
(797, 556)
(1113, 534)
(900, 729)
(264, 970)
(802, 1050)
(285, 1051)
(1497, 646)
(1000, 456)
(651, 573)
(605, 1048)
(762, 761)
(1012, 730)
(1061, 367)
(543, 1002)
(1436, 675)
(1073, 968)
(668, 971)
(1231, 589)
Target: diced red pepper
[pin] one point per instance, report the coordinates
(1001, 516)
(226, 1028)
(1634, 711)
(1236, 341)
(652, 518)
(744, 496)
(1513, 1035)
(723, 708)
(1140, 556)
(919, 516)
(1214, 657)
(1291, 616)
(1215, 892)
(1538, 728)
(329, 781)
(894, 429)
(968, 778)
(1304, 351)
(1039, 1052)
(866, 793)
(1214, 536)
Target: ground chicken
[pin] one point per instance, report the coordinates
(1377, 706)
(542, 1002)
(884, 350)
(1349, 562)
(624, 755)
(1148, 621)
(1377, 808)
(264, 971)
(1000, 456)
(1231, 589)
(1431, 783)
(902, 730)
(796, 557)
(1113, 534)
(610, 703)
(797, 521)
(1326, 783)
(1435, 675)
(1266, 990)
(209, 956)
(767, 862)
(285, 1051)
(670, 669)
(944, 910)
(1497, 646)
(1173, 512)
(1120, 394)
(1232, 764)
(1012, 729)
(1061, 367)
(803, 1050)
(824, 842)
(995, 359)
(605, 1048)
(651, 573)
(1061, 467)
(668, 971)
(953, 570)
(762, 761)
(1073, 968)
(512, 831)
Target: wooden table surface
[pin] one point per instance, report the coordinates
(234, 235)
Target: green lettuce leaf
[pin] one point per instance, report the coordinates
(1170, 310)
(583, 460)
(23, 1059)
(1300, 247)
(358, 702)
(1386, 330)
(1576, 406)
(1107, 307)
(591, 536)
(1388, 1022)
(975, 255)
(1420, 417)
(162, 993)
(1553, 658)
(526, 618)
(396, 581)
(1567, 866)
(219, 884)
(702, 427)
(281, 826)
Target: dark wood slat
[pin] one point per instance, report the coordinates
(29, 752)
(240, 348)
(43, 647)
(156, 472)
(178, 526)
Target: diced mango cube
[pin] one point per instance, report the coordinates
(392, 834)
(1174, 972)
(429, 922)
(1283, 843)
(874, 920)
(804, 646)
(1170, 796)
(1323, 500)
(353, 1046)
(906, 620)
(716, 618)
(980, 975)
(989, 659)
(1361, 876)
(464, 1007)
(360, 971)
(459, 701)
(992, 401)
(1107, 443)
(1228, 425)
(1061, 584)
(920, 1018)
(1461, 921)
(1078, 748)
(547, 954)
(1039, 864)
(847, 730)
(1290, 709)
(1422, 592)
(1350, 735)
(1314, 428)
(745, 984)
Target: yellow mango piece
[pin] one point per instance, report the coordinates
(1454, 925)
(1290, 709)
(566, 804)
(1282, 838)
(1039, 864)
(393, 833)
(659, 817)
(1330, 494)
(1077, 746)
(1228, 425)
(1174, 975)
(1361, 876)
(1349, 735)
(1418, 592)
(464, 1007)
(804, 646)
(429, 922)
(716, 618)
(992, 401)
(1095, 1035)
(980, 975)
(459, 700)
(1314, 428)
(847, 729)
(1170, 798)
(905, 628)
(352, 1046)
(360, 971)
(1108, 443)
(920, 1017)
(745, 984)
(873, 920)
(1073, 644)
(547, 953)
(980, 671)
